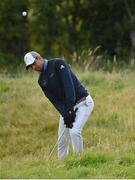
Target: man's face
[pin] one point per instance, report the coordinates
(37, 65)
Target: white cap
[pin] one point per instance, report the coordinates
(30, 57)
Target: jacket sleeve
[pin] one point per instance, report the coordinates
(64, 73)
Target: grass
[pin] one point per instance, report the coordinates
(28, 129)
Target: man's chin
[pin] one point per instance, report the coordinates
(38, 70)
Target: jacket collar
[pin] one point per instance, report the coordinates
(45, 64)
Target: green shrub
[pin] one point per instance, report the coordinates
(8, 63)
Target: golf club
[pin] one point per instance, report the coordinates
(56, 145)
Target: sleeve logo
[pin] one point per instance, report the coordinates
(62, 67)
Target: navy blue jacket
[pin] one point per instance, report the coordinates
(60, 85)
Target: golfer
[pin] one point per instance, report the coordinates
(69, 97)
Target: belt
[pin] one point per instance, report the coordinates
(80, 100)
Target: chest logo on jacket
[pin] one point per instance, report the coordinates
(51, 75)
(44, 83)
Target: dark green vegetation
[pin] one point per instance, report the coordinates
(66, 27)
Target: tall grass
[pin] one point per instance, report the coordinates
(28, 129)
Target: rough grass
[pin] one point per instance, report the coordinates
(28, 129)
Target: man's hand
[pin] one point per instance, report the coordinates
(69, 118)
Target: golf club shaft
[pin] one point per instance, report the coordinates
(56, 144)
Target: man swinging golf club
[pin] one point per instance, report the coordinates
(69, 97)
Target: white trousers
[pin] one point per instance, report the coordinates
(66, 134)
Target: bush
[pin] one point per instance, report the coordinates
(8, 62)
(7, 59)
